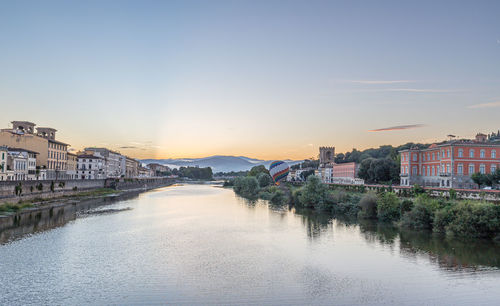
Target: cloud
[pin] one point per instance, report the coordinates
(380, 82)
(128, 147)
(485, 105)
(398, 127)
(418, 90)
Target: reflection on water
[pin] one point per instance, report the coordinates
(198, 244)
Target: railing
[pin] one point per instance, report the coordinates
(444, 174)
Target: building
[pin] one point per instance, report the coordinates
(112, 161)
(90, 167)
(26, 164)
(3, 162)
(145, 172)
(132, 167)
(72, 165)
(158, 169)
(52, 154)
(449, 164)
(326, 155)
(345, 173)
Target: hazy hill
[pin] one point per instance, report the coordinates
(218, 163)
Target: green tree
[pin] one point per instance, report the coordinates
(258, 169)
(264, 179)
(388, 207)
(314, 193)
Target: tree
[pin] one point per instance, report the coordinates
(377, 170)
(305, 174)
(264, 179)
(314, 193)
(258, 169)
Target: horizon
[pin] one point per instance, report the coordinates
(266, 80)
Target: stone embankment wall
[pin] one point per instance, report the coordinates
(39, 188)
(15, 191)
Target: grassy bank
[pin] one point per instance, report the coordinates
(15, 207)
(460, 218)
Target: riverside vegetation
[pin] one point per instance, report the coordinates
(415, 210)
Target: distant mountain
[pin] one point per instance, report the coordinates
(218, 163)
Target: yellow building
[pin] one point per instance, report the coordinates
(71, 166)
(52, 153)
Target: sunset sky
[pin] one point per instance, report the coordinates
(264, 79)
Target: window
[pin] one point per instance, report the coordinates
(415, 157)
(460, 169)
(493, 168)
(482, 169)
(460, 152)
(433, 156)
(482, 154)
(428, 170)
(428, 156)
(471, 153)
(471, 169)
(414, 170)
(448, 153)
(493, 154)
(448, 168)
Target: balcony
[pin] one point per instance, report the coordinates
(404, 174)
(444, 174)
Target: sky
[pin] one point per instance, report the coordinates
(264, 79)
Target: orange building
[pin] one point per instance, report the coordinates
(449, 164)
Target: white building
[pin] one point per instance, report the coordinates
(17, 166)
(3, 163)
(112, 161)
(90, 167)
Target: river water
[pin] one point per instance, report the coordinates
(201, 244)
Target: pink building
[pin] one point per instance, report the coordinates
(449, 164)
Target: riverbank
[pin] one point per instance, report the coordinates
(415, 210)
(30, 214)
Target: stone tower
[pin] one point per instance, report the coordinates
(326, 155)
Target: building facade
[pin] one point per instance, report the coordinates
(90, 167)
(112, 161)
(158, 169)
(449, 164)
(3, 162)
(51, 155)
(72, 165)
(345, 173)
(132, 168)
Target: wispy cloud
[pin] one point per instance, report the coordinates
(380, 82)
(485, 105)
(398, 127)
(128, 147)
(419, 90)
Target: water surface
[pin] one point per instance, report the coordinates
(200, 244)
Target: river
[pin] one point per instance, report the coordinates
(202, 244)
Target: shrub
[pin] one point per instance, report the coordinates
(39, 187)
(406, 205)
(368, 206)
(453, 194)
(388, 207)
(246, 186)
(264, 179)
(419, 217)
(278, 197)
(472, 219)
(417, 189)
(314, 193)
